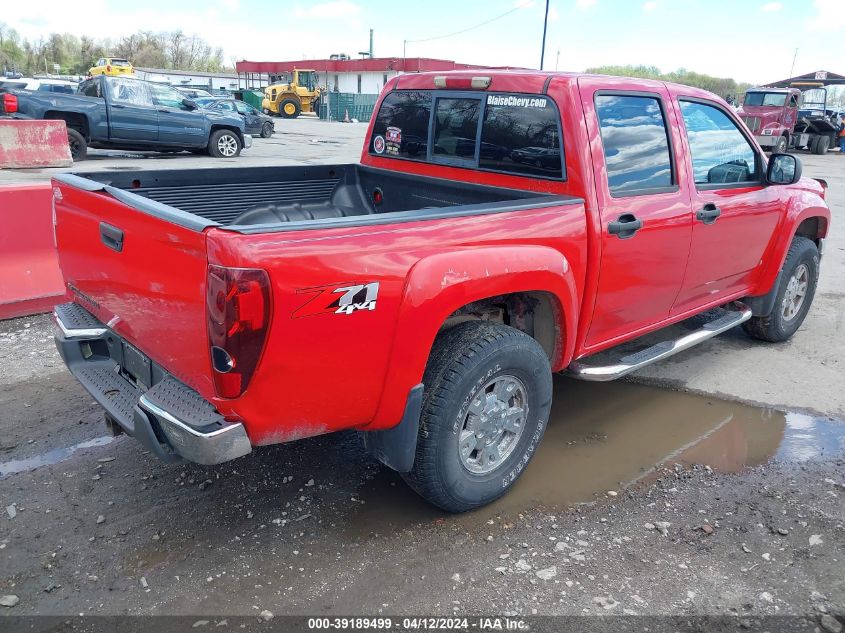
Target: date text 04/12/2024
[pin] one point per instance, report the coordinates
(419, 623)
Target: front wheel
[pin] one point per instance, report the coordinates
(78, 145)
(488, 391)
(224, 144)
(290, 109)
(795, 292)
(781, 145)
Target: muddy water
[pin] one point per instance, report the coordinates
(55, 456)
(610, 436)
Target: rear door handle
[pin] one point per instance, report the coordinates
(708, 214)
(111, 236)
(118, 106)
(625, 226)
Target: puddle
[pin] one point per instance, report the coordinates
(55, 456)
(609, 436)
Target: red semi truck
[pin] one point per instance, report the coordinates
(784, 118)
(500, 226)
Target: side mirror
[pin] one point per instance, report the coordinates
(784, 169)
(189, 103)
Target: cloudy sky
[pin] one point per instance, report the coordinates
(749, 40)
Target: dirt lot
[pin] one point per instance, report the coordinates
(642, 500)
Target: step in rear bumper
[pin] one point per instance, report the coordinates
(168, 418)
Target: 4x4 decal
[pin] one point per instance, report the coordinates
(343, 298)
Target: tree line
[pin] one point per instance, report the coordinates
(722, 86)
(76, 54)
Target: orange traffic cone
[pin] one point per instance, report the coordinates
(346, 116)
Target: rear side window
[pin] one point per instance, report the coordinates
(518, 134)
(720, 153)
(401, 127)
(90, 88)
(636, 147)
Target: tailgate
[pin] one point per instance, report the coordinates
(140, 267)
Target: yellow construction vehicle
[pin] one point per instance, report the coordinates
(292, 94)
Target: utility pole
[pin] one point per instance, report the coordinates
(791, 70)
(557, 61)
(545, 24)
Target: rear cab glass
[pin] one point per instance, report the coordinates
(509, 133)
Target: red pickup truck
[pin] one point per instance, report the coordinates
(500, 226)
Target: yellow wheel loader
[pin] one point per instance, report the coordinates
(292, 94)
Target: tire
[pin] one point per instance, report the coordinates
(467, 360)
(289, 109)
(781, 145)
(821, 145)
(78, 145)
(802, 266)
(224, 144)
(267, 129)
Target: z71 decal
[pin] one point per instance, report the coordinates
(343, 298)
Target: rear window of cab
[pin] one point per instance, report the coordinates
(508, 133)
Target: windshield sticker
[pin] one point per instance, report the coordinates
(394, 140)
(378, 144)
(519, 102)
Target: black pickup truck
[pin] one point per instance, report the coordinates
(126, 113)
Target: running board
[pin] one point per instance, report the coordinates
(625, 365)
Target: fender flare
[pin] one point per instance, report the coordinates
(801, 208)
(439, 284)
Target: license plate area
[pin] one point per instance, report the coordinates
(137, 366)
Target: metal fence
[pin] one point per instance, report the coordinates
(336, 105)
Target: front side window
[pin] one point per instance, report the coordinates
(130, 91)
(167, 97)
(455, 128)
(636, 147)
(401, 127)
(720, 153)
(520, 135)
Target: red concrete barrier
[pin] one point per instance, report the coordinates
(29, 143)
(30, 280)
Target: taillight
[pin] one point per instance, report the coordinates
(10, 103)
(238, 313)
(108, 69)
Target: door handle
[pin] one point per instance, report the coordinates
(708, 214)
(111, 236)
(118, 106)
(625, 226)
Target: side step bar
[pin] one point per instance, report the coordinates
(625, 365)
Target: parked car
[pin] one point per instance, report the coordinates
(425, 299)
(127, 113)
(256, 122)
(112, 66)
(193, 93)
(40, 85)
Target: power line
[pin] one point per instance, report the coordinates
(479, 25)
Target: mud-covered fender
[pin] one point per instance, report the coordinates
(802, 205)
(440, 284)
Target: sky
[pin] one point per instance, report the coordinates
(749, 40)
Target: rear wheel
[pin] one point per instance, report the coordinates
(795, 292)
(488, 391)
(267, 129)
(290, 109)
(78, 145)
(821, 145)
(224, 144)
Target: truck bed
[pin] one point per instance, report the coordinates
(262, 199)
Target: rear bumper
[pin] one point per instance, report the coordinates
(167, 417)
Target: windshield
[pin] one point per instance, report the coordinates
(765, 98)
